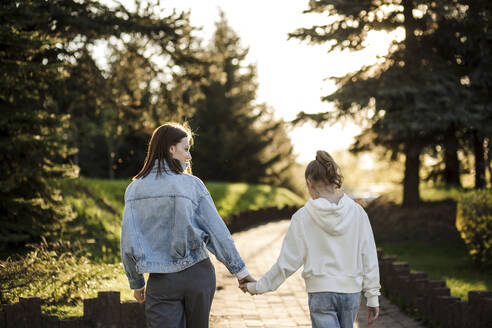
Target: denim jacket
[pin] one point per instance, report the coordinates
(169, 221)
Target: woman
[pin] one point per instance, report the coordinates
(169, 221)
(332, 237)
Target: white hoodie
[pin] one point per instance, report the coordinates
(335, 244)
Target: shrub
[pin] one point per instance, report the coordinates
(57, 272)
(474, 222)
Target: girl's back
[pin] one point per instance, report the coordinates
(336, 238)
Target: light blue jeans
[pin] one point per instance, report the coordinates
(333, 310)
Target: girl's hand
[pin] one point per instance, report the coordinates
(372, 315)
(139, 295)
(244, 281)
(244, 288)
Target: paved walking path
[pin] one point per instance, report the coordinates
(287, 307)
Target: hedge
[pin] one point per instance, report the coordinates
(474, 222)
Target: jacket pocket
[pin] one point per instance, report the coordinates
(178, 251)
(182, 241)
(183, 236)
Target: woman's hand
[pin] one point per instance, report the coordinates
(139, 295)
(244, 281)
(372, 314)
(244, 288)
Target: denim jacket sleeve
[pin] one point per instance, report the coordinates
(136, 280)
(219, 240)
(127, 240)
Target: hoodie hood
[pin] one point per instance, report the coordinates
(333, 218)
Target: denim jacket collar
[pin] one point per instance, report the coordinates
(167, 169)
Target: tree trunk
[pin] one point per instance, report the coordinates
(410, 40)
(452, 169)
(411, 194)
(479, 160)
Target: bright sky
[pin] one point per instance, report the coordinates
(291, 75)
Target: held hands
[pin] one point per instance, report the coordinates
(372, 314)
(139, 295)
(244, 288)
(244, 281)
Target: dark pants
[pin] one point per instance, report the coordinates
(181, 299)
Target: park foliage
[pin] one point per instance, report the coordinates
(66, 114)
(474, 221)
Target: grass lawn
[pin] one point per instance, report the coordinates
(442, 262)
(90, 262)
(428, 193)
(231, 198)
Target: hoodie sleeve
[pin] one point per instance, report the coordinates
(291, 258)
(370, 282)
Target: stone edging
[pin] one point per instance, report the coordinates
(431, 299)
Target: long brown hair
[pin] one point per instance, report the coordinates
(162, 139)
(324, 170)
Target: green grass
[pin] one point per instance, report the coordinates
(442, 262)
(99, 206)
(111, 191)
(428, 193)
(65, 275)
(231, 198)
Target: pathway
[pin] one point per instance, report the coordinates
(287, 307)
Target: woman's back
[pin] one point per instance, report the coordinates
(159, 226)
(165, 184)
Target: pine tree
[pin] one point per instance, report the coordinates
(413, 96)
(475, 54)
(31, 137)
(40, 43)
(237, 139)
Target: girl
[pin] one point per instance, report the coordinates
(169, 221)
(332, 237)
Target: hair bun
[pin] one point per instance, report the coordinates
(324, 169)
(323, 157)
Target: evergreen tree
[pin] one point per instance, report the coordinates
(237, 139)
(31, 138)
(411, 98)
(40, 42)
(475, 55)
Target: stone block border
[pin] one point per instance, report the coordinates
(431, 299)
